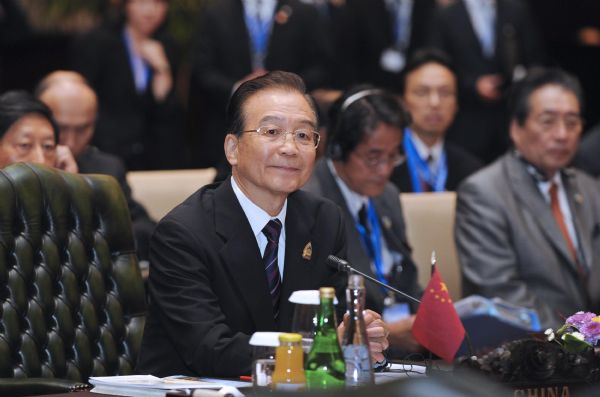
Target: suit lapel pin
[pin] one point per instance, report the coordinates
(283, 15)
(307, 251)
(386, 222)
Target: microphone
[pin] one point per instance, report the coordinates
(343, 266)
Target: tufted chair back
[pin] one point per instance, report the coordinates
(71, 294)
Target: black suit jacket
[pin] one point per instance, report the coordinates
(144, 133)
(461, 164)
(94, 161)
(366, 31)
(221, 57)
(208, 287)
(389, 211)
(587, 157)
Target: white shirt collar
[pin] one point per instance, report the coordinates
(423, 150)
(257, 217)
(354, 200)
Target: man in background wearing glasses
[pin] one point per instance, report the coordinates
(527, 227)
(224, 263)
(364, 146)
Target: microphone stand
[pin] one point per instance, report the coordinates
(344, 266)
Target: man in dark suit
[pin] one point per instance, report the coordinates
(74, 106)
(527, 227)
(490, 42)
(587, 157)
(241, 39)
(363, 148)
(380, 36)
(429, 94)
(224, 263)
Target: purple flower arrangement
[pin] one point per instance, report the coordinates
(580, 331)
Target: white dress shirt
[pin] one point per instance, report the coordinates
(258, 219)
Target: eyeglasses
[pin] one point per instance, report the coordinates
(374, 162)
(303, 137)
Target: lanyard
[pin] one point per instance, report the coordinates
(139, 67)
(419, 170)
(259, 31)
(373, 241)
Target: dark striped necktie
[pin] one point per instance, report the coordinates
(271, 231)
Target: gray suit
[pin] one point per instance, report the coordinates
(510, 245)
(388, 209)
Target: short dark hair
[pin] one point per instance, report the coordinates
(273, 80)
(423, 57)
(518, 103)
(356, 114)
(17, 104)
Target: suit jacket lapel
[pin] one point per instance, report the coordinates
(240, 254)
(243, 35)
(576, 204)
(466, 22)
(531, 198)
(298, 226)
(357, 254)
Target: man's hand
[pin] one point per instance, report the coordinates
(401, 335)
(488, 87)
(377, 333)
(65, 160)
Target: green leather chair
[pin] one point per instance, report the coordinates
(72, 301)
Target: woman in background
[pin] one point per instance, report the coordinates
(131, 67)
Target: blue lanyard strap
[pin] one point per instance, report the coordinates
(372, 241)
(259, 31)
(419, 170)
(139, 68)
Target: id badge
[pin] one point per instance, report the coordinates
(396, 312)
(392, 60)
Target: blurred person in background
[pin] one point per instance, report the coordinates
(430, 95)
(238, 40)
(28, 133)
(74, 106)
(528, 226)
(132, 67)
(363, 147)
(491, 43)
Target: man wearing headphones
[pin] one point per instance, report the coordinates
(364, 146)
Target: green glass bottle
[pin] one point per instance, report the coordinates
(325, 367)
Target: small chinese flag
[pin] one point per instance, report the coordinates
(437, 325)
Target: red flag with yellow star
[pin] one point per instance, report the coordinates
(437, 325)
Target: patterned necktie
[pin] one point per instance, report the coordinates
(272, 231)
(558, 215)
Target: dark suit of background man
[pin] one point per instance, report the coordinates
(527, 228)
(74, 107)
(241, 39)
(488, 41)
(363, 148)
(209, 285)
(429, 94)
(380, 36)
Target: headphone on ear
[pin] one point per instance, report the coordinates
(335, 151)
